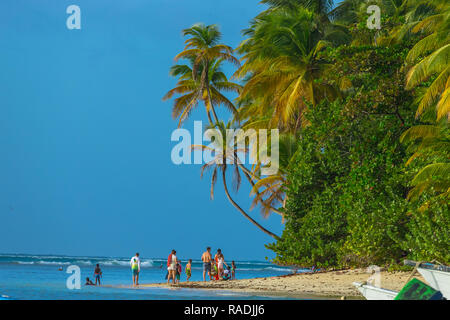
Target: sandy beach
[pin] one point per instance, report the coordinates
(334, 284)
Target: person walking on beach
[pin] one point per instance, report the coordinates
(135, 264)
(97, 274)
(206, 258)
(188, 270)
(172, 267)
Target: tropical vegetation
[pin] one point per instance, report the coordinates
(363, 118)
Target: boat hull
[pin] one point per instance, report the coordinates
(439, 280)
(375, 293)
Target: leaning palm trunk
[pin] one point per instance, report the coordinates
(211, 103)
(205, 85)
(208, 91)
(242, 211)
(250, 179)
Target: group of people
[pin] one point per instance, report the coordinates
(97, 276)
(174, 268)
(214, 268)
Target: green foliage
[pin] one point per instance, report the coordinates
(428, 235)
(357, 166)
(362, 180)
(347, 192)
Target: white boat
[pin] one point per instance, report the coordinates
(374, 293)
(437, 276)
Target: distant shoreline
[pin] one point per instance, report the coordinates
(326, 285)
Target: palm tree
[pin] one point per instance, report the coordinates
(319, 7)
(282, 64)
(437, 63)
(191, 90)
(432, 143)
(204, 48)
(409, 14)
(398, 18)
(347, 12)
(270, 191)
(226, 152)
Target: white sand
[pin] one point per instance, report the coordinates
(333, 284)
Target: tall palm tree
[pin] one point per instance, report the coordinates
(204, 47)
(191, 90)
(282, 64)
(226, 150)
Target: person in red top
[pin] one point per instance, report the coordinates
(169, 258)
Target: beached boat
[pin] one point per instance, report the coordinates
(437, 276)
(374, 293)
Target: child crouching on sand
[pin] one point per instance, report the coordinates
(227, 273)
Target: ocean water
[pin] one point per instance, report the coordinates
(38, 277)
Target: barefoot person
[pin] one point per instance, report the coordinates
(188, 270)
(206, 258)
(172, 267)
(179, 270)
(135, 264)
(89, 282)
(97, 274)
(233, 270)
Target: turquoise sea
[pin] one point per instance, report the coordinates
(32, 277)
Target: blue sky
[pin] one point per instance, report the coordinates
(85, 137)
